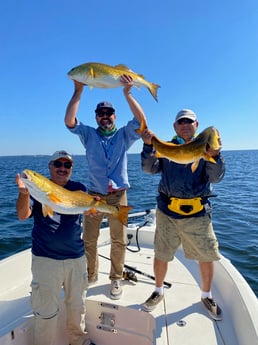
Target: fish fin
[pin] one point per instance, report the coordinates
(123, 67)
(127, 69)
(142, 126)
(208, 158)
(122, 214)
(194, 166)
(99, 202)
(93, 211)
(92, 73)
(47, 211)
(158, 155)
(89, 199)
(54, 199)
(153, 88)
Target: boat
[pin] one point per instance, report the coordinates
(179, 319)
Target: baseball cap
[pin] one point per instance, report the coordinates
(186, 114)
(104, 104)
(61, 154)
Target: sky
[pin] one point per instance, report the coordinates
(203, 54)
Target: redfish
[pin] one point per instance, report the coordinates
(189, 153)
(105, 76)
(55, 198)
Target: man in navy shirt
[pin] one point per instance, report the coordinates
(58, 260)
(184, 211)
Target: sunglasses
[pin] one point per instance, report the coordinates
(185, 121)
(105, 113)
(59, 164)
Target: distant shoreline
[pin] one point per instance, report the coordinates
(130, 153)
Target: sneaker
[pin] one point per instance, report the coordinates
(213, 309)
(152, 301)
(116, 289)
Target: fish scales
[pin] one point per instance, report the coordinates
(101, 75)
(55, 198)
(188, 153)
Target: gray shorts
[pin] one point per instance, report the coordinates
(195, 234)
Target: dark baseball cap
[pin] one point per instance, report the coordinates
(104, 104)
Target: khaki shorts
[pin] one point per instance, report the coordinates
(195, 234)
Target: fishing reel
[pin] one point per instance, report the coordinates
(129, 275)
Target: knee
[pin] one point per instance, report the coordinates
(44, 315)
(44, 303)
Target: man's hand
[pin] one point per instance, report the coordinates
(147, 135)
(127, 81)
(78, 87)
(21, 186)
(211, 152)
(93, 211)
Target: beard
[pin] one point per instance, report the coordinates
(106, 125)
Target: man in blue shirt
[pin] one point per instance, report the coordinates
(58, 260)
(106, 153)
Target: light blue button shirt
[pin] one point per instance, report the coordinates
(107, 156)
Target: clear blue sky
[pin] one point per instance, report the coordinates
(203, 54)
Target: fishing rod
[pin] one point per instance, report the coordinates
(139, 272)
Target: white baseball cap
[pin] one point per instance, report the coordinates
(186, 114)
(61, 154)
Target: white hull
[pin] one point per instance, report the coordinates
(180, 319)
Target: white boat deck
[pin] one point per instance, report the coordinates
(179, 319)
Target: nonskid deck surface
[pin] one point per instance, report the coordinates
(180, 318)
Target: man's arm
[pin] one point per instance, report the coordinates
(73, 105)
(215, 172)
(23, 202)
(150, 163)
(135, 107)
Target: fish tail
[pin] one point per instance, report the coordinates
(122, 214)
(153, 88)
(142, 126)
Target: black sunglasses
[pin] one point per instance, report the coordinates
(185, 121)
(104, 113)
(59, 164)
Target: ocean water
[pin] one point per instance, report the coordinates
(235, 209)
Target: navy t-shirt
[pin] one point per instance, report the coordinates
(58, 237)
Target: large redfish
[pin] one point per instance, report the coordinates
(55, 198)
(105, 76)
(189, 153)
